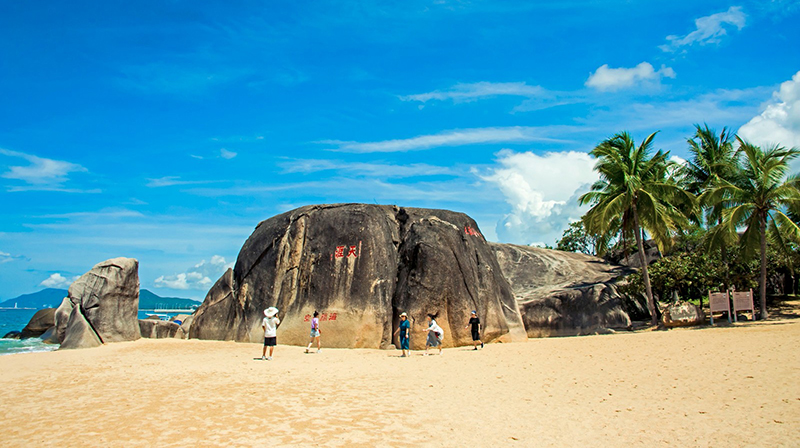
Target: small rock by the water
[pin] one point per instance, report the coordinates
(158, 329)
(41, 321)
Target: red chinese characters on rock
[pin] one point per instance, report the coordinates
(352, 251)
(470, 231)
(322, 317)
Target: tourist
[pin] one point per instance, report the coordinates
(314, 332)
(435, 334)
(475, 323)
(270, 326)
(404, 329)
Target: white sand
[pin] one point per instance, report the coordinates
(730, 386)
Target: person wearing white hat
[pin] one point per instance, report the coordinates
(270, 326)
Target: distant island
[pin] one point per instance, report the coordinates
(52, 297)
(151, 301)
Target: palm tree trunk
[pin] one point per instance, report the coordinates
(763, 286)
(724, 256)
(651, 304)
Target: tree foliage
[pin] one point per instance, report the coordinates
(756, 199)
(720, 208)
(577, 239)
(636, 187)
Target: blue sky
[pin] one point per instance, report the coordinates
(166, 131)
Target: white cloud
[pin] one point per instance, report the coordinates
(720, 106)
(6, 257)
(225, 154)
(103, 214)
(542, 191)
(431, 194)
(57, 281)
(677, 159)
(779, 123)
(198, 277)
(238, 139)
(42, 173)
(169, 181)
(454, 138)
(606, 78)
(472, 91)
(380, 170)
(709, 29)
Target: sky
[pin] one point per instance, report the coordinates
(165, 131)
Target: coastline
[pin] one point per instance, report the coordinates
(724, 386)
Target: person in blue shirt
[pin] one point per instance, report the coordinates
(405, 331)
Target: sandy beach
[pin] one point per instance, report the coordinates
(725, 386)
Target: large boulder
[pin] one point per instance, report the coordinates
(565, 293)
(103, 302)
(360, 266)
(41, 321)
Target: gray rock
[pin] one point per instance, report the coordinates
(447, 267)
(360, 265)
(631, 260)
(12, 335)
(158, 329)
(62, 317)
(79, 332)
(682, 314)
(49, 336)
(109, 298)
(103, 302)
(41, 321)
(564, 293)
(220, 314)
(185, 322)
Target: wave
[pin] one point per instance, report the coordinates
(31, 345)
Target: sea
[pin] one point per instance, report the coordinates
(16, 319)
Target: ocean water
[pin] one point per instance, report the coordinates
(16, 319)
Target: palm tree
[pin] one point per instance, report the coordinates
(637, 185)
(757, 198)
(713, 159)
